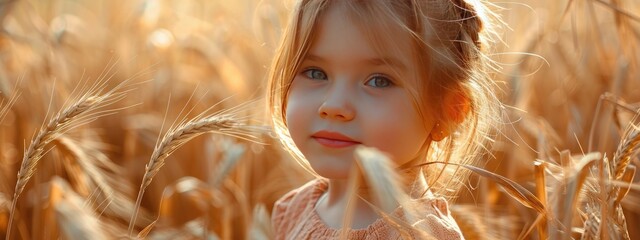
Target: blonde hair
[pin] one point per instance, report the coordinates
(449, 40)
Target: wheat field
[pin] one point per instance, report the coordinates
(146, 119)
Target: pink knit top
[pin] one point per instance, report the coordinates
(294, 217)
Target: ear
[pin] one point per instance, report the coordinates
(456, 106)
(438, 132)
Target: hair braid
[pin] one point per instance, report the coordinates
(471, 22)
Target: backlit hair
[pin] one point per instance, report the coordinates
(449, 40)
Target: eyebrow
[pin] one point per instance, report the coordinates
(393, 62)
(389, 61)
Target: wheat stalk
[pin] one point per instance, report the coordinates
(574, 185)
(223, 123)
(541, 192)
(470, 223)
(515, 190)
(232, 154)
(194, 189)
(81, 112)
(4, 108)
(5, 203)
(385, 186)
(484, 222)
(193, 229)
(261, 228)
(75, 220)
(381, 178)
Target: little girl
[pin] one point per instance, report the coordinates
(404, 76)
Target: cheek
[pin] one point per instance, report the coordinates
(298, 113)
(400, 133)
(294, 118)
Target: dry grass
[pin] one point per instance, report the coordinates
(564, 165)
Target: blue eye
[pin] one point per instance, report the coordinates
(315, 74)
(379, 82)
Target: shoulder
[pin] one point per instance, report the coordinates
(296, 195)
(295, 204)
(432, 215)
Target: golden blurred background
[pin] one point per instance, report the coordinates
(568, 72)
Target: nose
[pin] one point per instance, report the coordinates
(337, 105)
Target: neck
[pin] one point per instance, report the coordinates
(419, 187)
(335, 204)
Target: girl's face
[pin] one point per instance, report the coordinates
(346, 94)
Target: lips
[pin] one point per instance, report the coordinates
(333, 139)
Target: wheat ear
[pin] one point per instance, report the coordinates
(621, 159)
(86, 109)
(617, 171)
(616, 223)
(226, 124)
(625, 151)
